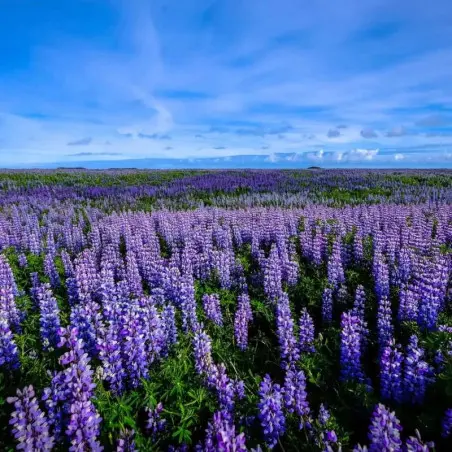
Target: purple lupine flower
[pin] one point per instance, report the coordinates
(8, 308)
(202, 348)
(271, 413)
(126, 442)
(83, 428)
(86, 317)
(335, 268)
(415, 444)
(52, 398)
(381, 276)
(306, 340)
(273, 275)
(391, 372)
(9, 355)
(351, 368)
(73, 388)
(327, 305)
(30, 425)
(384, 431)
(225, 388)
(134, 347)
(384, 322)
(169, 327)
(212, 308)
(447, 424)
(408, 306)
(329, 437)
(51, 271)
(49, 317)
(417, 373)
(359, 311)
(154, 423)
(187, 304)
(111, 358)
(22, 260)
(242, 318)
(221, 436)
(153, 329)
(285, 331)
(295, 396)
(324, 415)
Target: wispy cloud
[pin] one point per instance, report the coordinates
(333, 133)
(433, 120)
(89, 154)
(81, 142)
(399, 131)
(368, 133)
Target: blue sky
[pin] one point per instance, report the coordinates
(347, 83)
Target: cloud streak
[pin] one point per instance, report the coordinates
(82, 142)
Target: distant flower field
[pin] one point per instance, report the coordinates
(226, 310)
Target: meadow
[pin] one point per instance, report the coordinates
(226, 310)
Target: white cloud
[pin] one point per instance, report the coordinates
(362, 154)
(399, 157)
(273, 158)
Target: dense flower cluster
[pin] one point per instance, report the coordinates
(30, 426)
(319, 283)
(271, 413)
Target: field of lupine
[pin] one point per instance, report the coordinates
(226, 310)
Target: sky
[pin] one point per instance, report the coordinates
(327, 83)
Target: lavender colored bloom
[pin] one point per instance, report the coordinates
(417, 373)
(408, 306)
(187, 304)
(384, 322)
(391, 372)
(324, 415)
(384, 431)
(351, 368)
(381, 276)
(212, 308)
(273, 275)
(285, 331)
(327, 305)
(154, 423)
(447, 424)
(271, 413)
(221, 436)
(134, 347)
(126, 443)
(306, 340)
(415, 444)
(30, 425)
(51, 271)
(71, 393)
(110, 353)
(86, 317)
(169, 327)
(9, 356)
(49, 317)
(22, 260)
(335, 269)
(294, 393)
(243, 316)
(202, 347)
(225, 388)
(83, 428)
